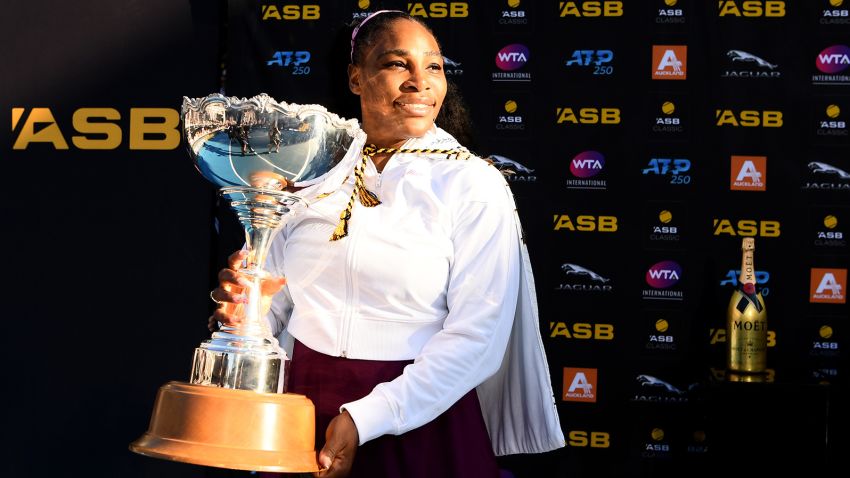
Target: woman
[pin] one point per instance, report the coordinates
(404, 325)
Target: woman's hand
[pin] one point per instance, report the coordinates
(341, 440)
(231, 293)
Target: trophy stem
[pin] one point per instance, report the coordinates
(246, 356)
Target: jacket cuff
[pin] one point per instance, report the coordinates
(373, 416)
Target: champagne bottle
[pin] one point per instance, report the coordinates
(746, 320)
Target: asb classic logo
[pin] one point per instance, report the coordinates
(661, 277)
(832, 63)
(834, 12)
(669, 121)
(509, 59)
(831, 123)
(584, 167)
(828, 286)
(516, 15)
(510, 118)
(748, 173)
(580, 384)
(669, 62)
(669, 11)
(827, 232)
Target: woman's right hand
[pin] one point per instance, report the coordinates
(232, 293)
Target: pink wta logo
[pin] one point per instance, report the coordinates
(587, 164)
(833, 59)
(664, 274)
(512, 57)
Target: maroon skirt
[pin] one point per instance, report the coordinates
(455, 444)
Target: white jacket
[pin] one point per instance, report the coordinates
(437, 274)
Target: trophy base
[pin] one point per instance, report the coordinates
(226, 428)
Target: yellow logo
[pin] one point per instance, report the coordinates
(98, 128)
(661, 325)
(588, 115)
(825, 332)
(749, 118)
(438, 9)
(586, 223)
(751, 8)
(833, 111)
(718, 336)
(605, 8)
(510, 106)
(581, 331)
(668, 108)
(830, 221)
(581, 438)
(290, 12)
(747, 228)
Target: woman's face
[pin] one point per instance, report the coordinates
(401, 84)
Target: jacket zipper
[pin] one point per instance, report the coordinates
(350, 288)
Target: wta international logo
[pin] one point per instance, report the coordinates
(831, 62)
(662, 277)
(669, 62)
(509, 59)
(584, 166)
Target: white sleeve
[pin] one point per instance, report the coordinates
(281, 307)
(481, 299)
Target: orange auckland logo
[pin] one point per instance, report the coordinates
(748, 173)
(579, 384)
(669, 62)
(828, 286)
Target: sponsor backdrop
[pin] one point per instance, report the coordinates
(646, 138)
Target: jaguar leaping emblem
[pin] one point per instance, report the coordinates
(738, 55)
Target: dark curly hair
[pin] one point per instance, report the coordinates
(453, 116)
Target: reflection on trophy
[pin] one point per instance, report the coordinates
(233, 412)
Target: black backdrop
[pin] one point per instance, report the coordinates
(111, 252)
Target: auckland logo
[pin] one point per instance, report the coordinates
(581, 279)
(509, 59)
(747, 65)
(584, 166)
(661, 277)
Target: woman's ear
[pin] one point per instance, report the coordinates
(354, 79)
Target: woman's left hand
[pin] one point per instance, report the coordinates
(341, 440)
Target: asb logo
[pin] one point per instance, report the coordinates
(828, 286)
(585, 223)
(517, 172)
(668, 121)
(674, 168)
(669, 11)
(751, 8)
(581, 331)
(832, 62)
(580, 384)
(510, 119)
(826, 177)
(515, 15)
(98, 128)
(828, 234)
(593, 439)
(825, 343)
(832, 13)
(598, 60)
(290, 12)
(606, 116)
(585, 166)
(296, 59)
(747, 228)
(749, 118)
(831, 123)
(509, 59)
(660, 336)
(438, 9)
(590, 9)
(748, 65)
(748, 173)
(657, 446)
(669, 62)
(580, 279)
(663, 228)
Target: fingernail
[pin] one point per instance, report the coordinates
(325, 461)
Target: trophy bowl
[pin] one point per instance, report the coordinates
(269, 159)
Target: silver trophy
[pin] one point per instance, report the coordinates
(270, 159)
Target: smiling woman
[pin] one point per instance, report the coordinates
(414, 330)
